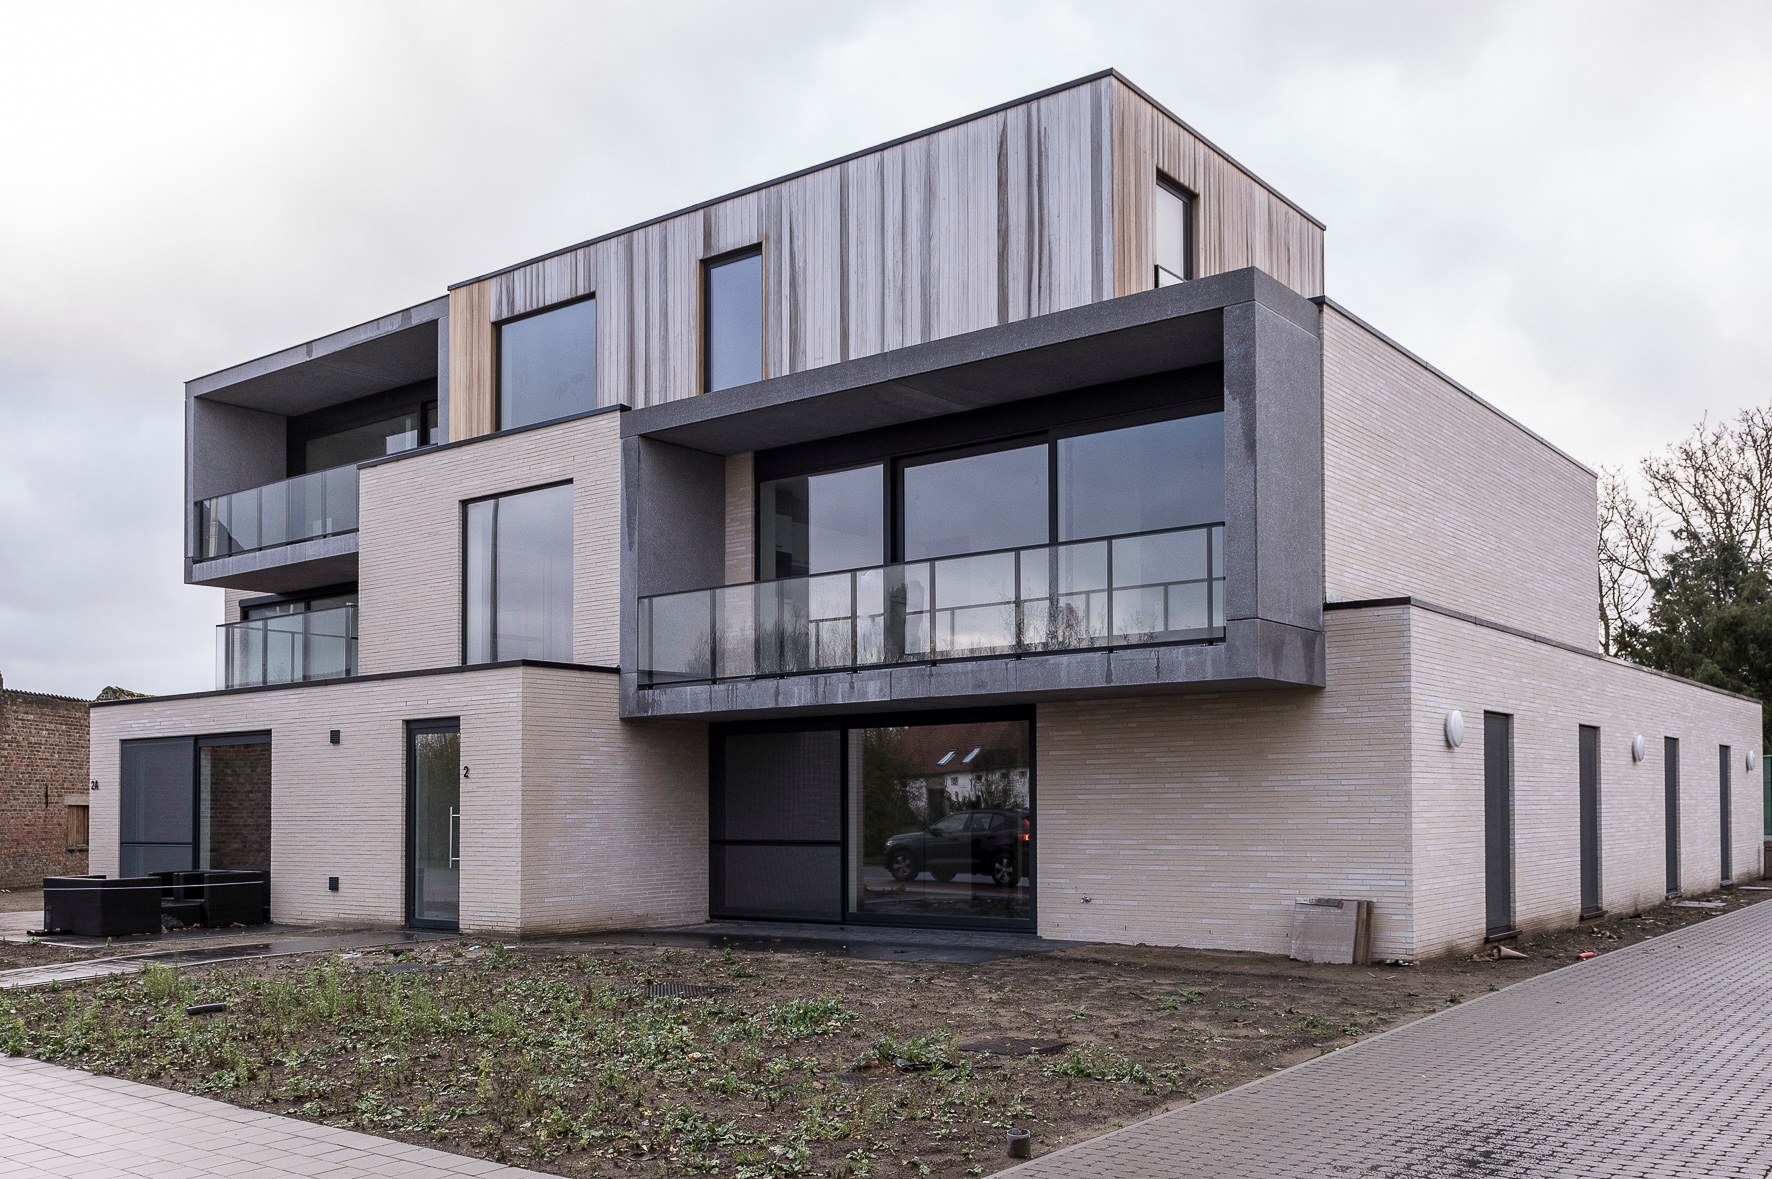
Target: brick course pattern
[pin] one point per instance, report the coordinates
(1635, 1065)
(239, 782)
(42, 761)
(1198, 820)
(1430, 493)
(572, 820)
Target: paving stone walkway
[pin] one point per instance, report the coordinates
(58, 1122)
(1651, 1061)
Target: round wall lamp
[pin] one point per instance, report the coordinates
(1454, 729)
(1638, 750)
(1753, 759)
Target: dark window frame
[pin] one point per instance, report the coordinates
(418, 398)
(1190, 203)
(1725, 813)
(463, 538)
(886, 546)
(498, 358)
(708, 266)
(409, 870)
(196, 743)
(894, 466)
(718, 731)
(1670, 786)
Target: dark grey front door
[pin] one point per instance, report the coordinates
(1590, 821)
(1498, 821)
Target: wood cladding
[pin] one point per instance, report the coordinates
(1238, 221)
(473, 409)
(1022, 211)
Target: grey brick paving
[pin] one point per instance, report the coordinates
(1654, 1060)
(57, 1122)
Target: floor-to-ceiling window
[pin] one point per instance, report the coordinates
(896, 820)
(517, 596)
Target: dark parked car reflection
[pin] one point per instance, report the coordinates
(990, 843)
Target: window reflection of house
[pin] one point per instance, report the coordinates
(951, 768)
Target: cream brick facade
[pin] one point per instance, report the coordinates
(1430, 493)
(1198, 820)
(571, 820)
(409, 540)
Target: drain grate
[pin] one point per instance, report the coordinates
(679, 990)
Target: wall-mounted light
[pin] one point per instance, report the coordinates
(1753, 759)
(1454, 729)
(332, 736)
(1638, 749)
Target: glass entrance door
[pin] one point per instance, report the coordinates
(433, 823)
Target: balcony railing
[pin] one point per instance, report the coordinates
(323, 503)
(1153, 587)
(287, 648)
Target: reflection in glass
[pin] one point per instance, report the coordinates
(323, 503)
(436, 827)
(362, 443)
(733, 305)
(940, 821)
(976, 503)
(1141, 478)
(518, 592)
(547, 365)
(820, 523)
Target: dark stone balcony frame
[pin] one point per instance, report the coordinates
(1265, 337)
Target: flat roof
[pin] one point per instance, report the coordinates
(891, 143)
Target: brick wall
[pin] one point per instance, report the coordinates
(42, 762)
(571, 819)
(1428, 492)
(238, 779)
(410, 540)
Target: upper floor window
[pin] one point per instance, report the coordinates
(821, 523)
(732, 320)
(547, 365)
(1172, 233)
(518, 564)
(366, 428)
(1077, 482)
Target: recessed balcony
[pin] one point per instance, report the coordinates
(287, 648)
(1144, 589)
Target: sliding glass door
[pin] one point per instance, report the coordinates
(895, 821)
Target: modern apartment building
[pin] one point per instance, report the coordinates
(998, 527)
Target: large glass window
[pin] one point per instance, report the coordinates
(1172, 233)
(976, 503)
(901, 823)
(941, 821)
(1141, 478)
(820, 523)
(374, 440)
(518, 564)
(732, 305)
(547, 365)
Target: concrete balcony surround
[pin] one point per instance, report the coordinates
(286, 569)
(236, 434)
(1263, 335)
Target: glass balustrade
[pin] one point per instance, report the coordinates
(287, 648)
(323, 503)
(1155, 587)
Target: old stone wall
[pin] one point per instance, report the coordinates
(43, 743)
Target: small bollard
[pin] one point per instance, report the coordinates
(1021, 1144)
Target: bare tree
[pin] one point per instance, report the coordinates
(1628, 537)
(1712, 489)
(1716, 485)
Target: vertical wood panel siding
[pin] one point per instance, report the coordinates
(997, 219)
(1238, 221)
(472, 408)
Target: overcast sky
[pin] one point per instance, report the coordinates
(1561, 205)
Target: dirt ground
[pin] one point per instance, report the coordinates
(792, 1062)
